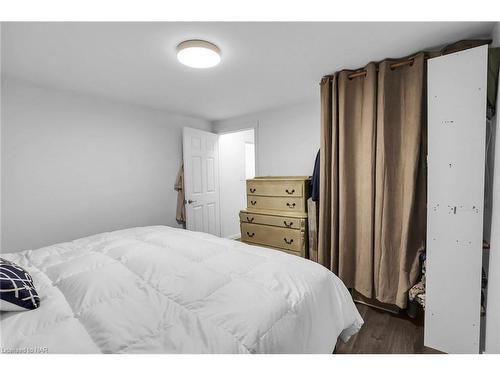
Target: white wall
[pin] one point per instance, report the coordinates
(75, 165)
(232, 179)
(493, 307)
(287, 139)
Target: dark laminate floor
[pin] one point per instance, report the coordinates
(386, 333)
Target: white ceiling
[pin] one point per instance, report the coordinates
(264, 65)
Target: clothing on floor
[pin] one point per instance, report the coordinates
(179, 187)
(417, 292)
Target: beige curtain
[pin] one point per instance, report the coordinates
(400, 180)
(328, 213)
(356, 171)
(372, 178)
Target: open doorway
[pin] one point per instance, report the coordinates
(236, 165)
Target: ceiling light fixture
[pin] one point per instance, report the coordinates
(198, 54)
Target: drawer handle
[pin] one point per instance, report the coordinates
(288, 242)
(291, 205)
(288, 225)
(290, 191)
(251, 234)
(253, 190)
(250, 219)
(253, 203)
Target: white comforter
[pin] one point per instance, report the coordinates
(165, 290)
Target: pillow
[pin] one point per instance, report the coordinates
(17, 292)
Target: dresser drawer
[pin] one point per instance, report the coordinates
(289, 204)
(282, 238)
(276, 221)
(275, 188)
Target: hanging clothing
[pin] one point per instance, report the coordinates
(180, 215)
(315, 180)
(493, 70)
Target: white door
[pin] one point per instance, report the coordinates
(456, 152)
(201, 180)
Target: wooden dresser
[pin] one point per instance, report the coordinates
(276, 214)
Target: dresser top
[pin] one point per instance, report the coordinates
(282, 178)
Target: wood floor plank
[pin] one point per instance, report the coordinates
(386, 333)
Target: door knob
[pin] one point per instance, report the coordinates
(191, 201)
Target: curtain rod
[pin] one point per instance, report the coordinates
(362, 73)
(450, 48)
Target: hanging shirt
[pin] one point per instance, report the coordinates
(315, 180)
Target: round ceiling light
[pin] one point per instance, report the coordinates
(198, 54)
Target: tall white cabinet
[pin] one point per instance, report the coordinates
(456, 157)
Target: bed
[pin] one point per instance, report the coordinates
(166, 290)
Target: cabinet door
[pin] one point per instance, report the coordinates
(456, 156)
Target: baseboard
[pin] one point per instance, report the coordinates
(233, 236)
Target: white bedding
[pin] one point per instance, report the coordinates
(165, 290)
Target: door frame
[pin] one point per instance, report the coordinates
(246, 125)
